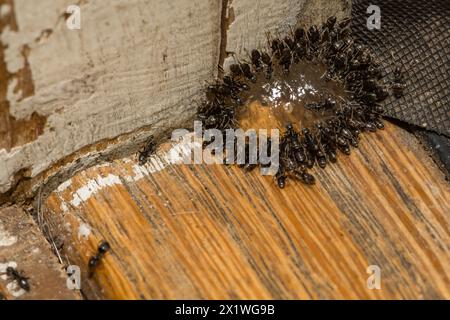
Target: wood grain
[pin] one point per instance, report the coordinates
(134, 66)
(213, 231)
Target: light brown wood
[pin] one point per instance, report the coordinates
(213, 231)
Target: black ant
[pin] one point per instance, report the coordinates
(277, 47)
(21, 280)
(299, 44)
(268, 62)
(290, 43)
(293, 143)
(313, 37)
(299, 34)
(235, 70)
(327, 143)
(313, 34)
(294, 160)
(219, 91)
(344, 28)
(398, 84)
(327, 104)
(382, 93)
(246, 70)
(94, 261)
(304, 177)
(331, 21)
(375, 120)
(255, 56)
(234, 87)
(148, 149)
(286, 60)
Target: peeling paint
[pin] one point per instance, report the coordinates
(5, 238)
(5, 10)
(14, 289)
(17, 83)
(92, 187)
(12, 286)
(63, 186)
(158, 162)
(15, 41)
(83, 101)
(64, 207)
(84, 230)
(5, 265)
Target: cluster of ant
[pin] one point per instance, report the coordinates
(349, 63)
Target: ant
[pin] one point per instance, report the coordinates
(268, 62)
(313, 34)
(298, 44)
(333, 131)
(327, 144)
(229, 88)
(277, 47)
(242, 69)
(313, 37)
(398, 84)
(281, 177)
(331, 21)
(21, 280)
(299, 35)
(289, 42)
(327, 104)
(246, 70)
(94, 261)
(293, 144)
(255, 56)
(286, 60)
(234, 85)
(294, 161)
(304, 177)
(148, 149)
(235, 70)
(344, 28)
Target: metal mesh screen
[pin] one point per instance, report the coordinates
(414, 35)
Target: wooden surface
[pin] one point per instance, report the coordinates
(134, 66)
(212, 231)
(73, 98)
(131, 64)
(23, 247)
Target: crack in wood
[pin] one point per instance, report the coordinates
(226, 18)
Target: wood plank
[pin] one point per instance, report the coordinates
(213, 231)
(70, 98)
(23, 247)
(133, 65)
